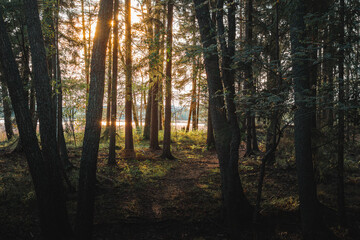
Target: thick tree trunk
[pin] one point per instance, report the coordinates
(129, 144)
(309, 206)
(87, 178)
(227, 132)
(112, 132)
(167, 126)
(7, 109)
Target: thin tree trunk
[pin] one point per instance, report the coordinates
(7, 110)
(167, 127)
(340, 164)
(87, 178)
(189, 118)
(109, 89)
(129, 144)
(275, 86)
(85, 48)
(135, 116)
(60, 130)
(249, 81)
(142, 98)
(149, 29)
(330, 73)
(147, 117)
(154, 128)
(193, 102)
(198, 101)
(112, 133)
(210, 141)
(255, 146)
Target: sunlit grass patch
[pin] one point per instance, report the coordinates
(290, 203)
(193, 140)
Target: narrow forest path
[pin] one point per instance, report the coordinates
(177, 202)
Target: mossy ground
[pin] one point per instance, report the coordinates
(152, 198)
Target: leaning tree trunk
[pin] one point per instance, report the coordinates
(227, 132)
(87, 178)
(167, 126)
(309, 206)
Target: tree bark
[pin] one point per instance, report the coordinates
(147, 117)
(46, 169)
(309, 206)
(109, 89)
(210, 141)
(129, 144)
(227, 132)
(85, 48)
(274, 86)
(156, 76)
(149, 33)
(167, 126)
(341, 105)
(57, 73)
(135, 115)
(87, 178)
(249, 81)
(7, 110)
(112, 133)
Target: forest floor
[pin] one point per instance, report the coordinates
(152, 198)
